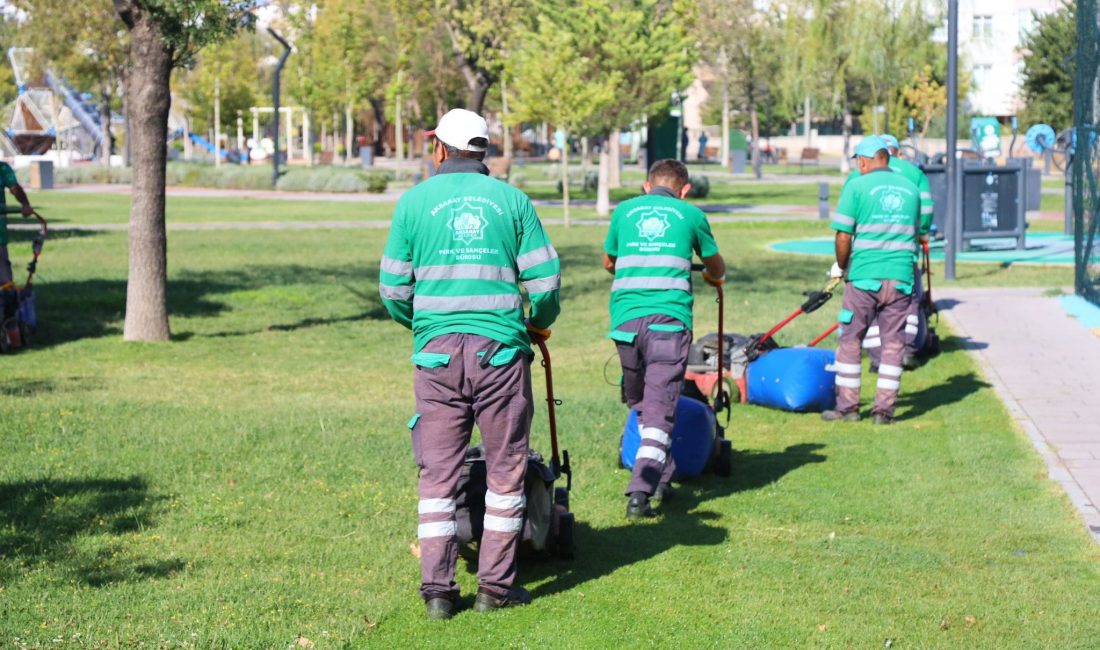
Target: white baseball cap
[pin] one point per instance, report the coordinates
(459, 127)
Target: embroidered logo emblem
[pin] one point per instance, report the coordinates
(467, 223)
(891, 202)
(652, 225)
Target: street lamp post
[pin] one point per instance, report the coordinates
(275, 102)
(951, 237)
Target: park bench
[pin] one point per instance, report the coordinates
(499, 167)
(809, 154)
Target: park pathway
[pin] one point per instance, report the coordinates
(1044, 365)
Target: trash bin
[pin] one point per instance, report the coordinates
(366, 155)
(41, 175)
(739, 152)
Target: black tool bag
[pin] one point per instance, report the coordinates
(538, 518)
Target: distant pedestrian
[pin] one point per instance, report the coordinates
(876, 221)
(703, 145)
(649, 249)
(458, 244)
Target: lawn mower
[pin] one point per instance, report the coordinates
(17, 329)
(548, 526)
(699, 442)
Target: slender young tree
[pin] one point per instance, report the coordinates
(164, 34)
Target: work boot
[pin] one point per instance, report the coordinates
(883, 419)
(638, 507)
(833, 415)
(487, 601)
(664, 492)
(910, 362)
(440, 609)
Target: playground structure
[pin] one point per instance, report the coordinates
(50, 118)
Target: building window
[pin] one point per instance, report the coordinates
(1027, 22)
(983, 74)
(983, 28)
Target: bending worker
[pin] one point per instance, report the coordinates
(649, 250)
(8, 298)
(913, 326)
(876, 225)
(458, 244)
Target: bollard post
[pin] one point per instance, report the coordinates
(823, 200)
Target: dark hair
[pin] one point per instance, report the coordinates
(669, 173)
(455, 152)
(882, 155)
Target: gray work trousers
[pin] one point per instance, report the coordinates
(653, 376)
(914, 337)
(890, 307)
(450, 399)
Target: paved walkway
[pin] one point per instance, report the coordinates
(1044, 365)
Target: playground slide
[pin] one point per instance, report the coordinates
(84, 114)
(206, 144)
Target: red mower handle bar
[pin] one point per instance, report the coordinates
(559, 463)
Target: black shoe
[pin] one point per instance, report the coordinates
(833, 415)
(883, 419)
(664, 492)
(638, 507)
(487, 601)
(910, 362)
(440, 609)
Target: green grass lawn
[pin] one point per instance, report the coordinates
(252, 481)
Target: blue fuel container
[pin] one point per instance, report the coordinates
(793, 379)
(692, 437)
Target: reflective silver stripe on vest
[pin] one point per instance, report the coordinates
(431, 506)
(928, 209)
(887, 384)
(503, 524)
(541, 285)
(503, 501)
(652, 453)
(890, 228)
(878, 244)
(396, 267)
(651, 283)
(468, 303)
(395, 293)
(466, 272)
(649, 261)
(536, 257)
(847, 382)
(844, 219)
(925, 195)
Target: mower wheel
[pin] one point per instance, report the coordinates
(723, 465)
(566, 525)
(25, 334)
(561, 497)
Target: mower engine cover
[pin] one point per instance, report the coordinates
(793, 379)
(692, 437)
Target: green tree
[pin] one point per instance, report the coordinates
(234, 67)
(481, 32)
(555, 81)
(164, 34)
(1048, 55)
(739, 38)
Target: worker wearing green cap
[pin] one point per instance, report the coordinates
(876, 222)
(913, 325)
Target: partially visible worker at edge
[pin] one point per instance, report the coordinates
(873, 341)
(649, 250)
(9, 302)
(458, 244)
(876, 222)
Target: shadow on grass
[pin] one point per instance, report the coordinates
(43, 522)
(90, 309)
(956, 389)
(602, 551)
(35, 387)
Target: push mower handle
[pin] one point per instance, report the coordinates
(698, 267)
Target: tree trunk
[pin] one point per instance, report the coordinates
(757, 163)
(565, 184)
(615, 176)
(150, 71)
(127, 153)
(505, 128)
(478, 91)
(105, 126)
(586, 157)
(808, 125)
(378, 107)
(845, 164)
(725, 126)
(603, 195)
